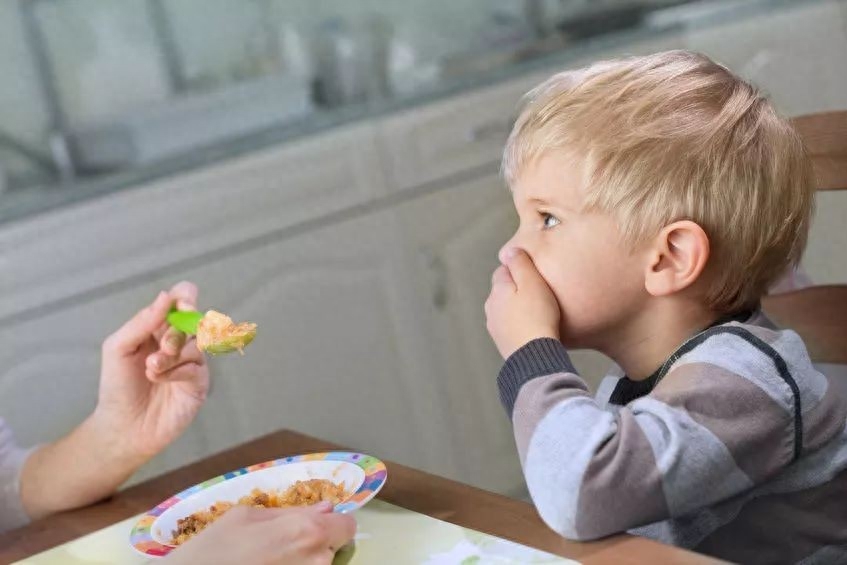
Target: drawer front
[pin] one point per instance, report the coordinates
(135, 232)
(445, 138)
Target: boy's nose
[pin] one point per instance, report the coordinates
(501, 255)
(506, 251)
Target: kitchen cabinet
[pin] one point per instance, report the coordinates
(111, 242)
(333, 353)
(331, 358)
(452, 136)
(452, 238)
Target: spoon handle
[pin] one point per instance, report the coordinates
(185, 320)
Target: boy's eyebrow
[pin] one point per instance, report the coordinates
(542, 202)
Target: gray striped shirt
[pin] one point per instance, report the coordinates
(737, 448)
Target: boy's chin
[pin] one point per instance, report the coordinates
(574, 340)
(578, 346)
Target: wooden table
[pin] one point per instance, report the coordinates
(418, 491)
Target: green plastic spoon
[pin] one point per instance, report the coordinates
(234, 338)
(185, 321)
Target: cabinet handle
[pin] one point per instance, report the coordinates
(438, 270)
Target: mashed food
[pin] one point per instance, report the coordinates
(217, 333)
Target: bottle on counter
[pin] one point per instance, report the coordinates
(351, 60)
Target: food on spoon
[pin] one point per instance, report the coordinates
(217, 333)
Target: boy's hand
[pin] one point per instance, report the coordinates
(521, 307)
(153, 380)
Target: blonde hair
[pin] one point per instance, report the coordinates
(675, 136)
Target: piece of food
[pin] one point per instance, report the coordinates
(217, 333)
(301, 493)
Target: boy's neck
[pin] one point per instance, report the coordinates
(648, 341)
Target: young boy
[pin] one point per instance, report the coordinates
(658, 198)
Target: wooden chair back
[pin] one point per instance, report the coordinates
(819, 313)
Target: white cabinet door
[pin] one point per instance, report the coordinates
(331, 357)
(57, 257)
(452, 238)
(451, 136)
(466, 134)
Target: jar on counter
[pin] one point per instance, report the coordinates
(350, 60)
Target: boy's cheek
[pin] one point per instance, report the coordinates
(555, 281)
(547, 272)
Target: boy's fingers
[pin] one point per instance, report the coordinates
(522, 268)
(129, 337)
(502, 276)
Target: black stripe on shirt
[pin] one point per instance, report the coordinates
(627, 390)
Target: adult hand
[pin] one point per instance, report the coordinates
(280, 536)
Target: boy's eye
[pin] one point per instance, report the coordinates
(549, 220)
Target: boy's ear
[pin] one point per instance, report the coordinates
(676, 258)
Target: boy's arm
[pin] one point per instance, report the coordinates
(703, 435)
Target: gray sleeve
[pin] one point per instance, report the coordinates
(537, 358)
(593, 471)
(12, 458)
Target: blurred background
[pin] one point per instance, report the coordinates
(328, 170)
